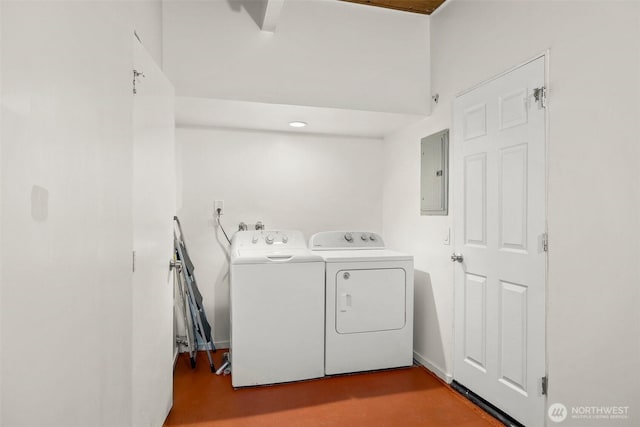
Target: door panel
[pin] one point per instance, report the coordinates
(475, 171)
(513, 333)
(499, 218)
(512, 109)
(154, 204)
(475, 121)
(475, 327)
(512, 198)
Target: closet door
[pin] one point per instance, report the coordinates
(154, 205)
(500, 224)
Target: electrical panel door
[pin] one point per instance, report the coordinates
(434, 171)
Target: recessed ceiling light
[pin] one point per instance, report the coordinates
(297, 124)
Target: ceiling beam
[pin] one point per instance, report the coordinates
(271, 15)
(425, 7)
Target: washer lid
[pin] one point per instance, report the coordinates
(364, 256)
(270, 256)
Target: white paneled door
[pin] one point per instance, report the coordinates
(500, 225)
(154, 205)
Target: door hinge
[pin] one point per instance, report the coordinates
(545, 242)
(133, 262)
(136, 74)
(540, 96)
(544, 384)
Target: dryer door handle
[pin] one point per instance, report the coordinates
(280, 258)
(345, 302)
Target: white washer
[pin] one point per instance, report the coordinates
(369, 302)
(277, 308)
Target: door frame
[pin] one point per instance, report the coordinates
(455, 186)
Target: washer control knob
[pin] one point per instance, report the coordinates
(285, 239)
(348, 237)
(364, 237)
(372, 238)
(269, 239)
(254, 239)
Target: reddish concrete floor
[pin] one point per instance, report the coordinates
(400, 397)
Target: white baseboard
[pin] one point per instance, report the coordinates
(168, 408)
(201, 347)
(438, 371)
(221, 344)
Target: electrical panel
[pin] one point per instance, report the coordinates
(434, 174)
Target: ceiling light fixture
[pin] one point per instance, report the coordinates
(297, 124)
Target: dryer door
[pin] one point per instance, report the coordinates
(370, 300)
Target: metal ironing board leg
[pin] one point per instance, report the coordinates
(199, 323)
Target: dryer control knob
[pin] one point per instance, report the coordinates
(364, 237)
(372, 237)
(348, 237)
(285, 239)
(269, 239)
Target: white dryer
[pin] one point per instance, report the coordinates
(277, 308)
(369, 302)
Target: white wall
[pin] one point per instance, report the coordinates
(594, 203)
(66, 213)
(422, 236)
(288, 181)
(324, 53)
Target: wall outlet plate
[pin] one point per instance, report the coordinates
(218, 204)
